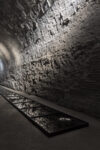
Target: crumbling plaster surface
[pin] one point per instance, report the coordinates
(61, 55)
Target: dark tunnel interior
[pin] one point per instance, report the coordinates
(51, 49)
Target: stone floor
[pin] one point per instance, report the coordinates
(17, 133)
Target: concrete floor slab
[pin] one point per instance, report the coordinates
(17, 133)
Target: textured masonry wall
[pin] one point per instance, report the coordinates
(62, 56)
(20, 17)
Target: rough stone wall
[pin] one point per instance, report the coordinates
(20, 17)
(62, 56)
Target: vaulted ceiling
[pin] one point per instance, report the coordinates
(18, 16)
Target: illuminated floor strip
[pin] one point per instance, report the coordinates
(50, 121)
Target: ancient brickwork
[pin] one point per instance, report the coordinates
(61, 55)
(20, 17)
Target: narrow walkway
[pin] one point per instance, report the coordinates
(17, 133)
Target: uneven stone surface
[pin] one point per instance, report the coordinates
(61, 53)
(20, 17)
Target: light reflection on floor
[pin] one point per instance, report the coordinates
(50, 121)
